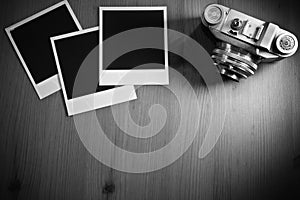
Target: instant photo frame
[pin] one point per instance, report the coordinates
(109, 21)
(31, 41)
(76, 55)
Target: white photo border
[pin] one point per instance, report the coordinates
(51, 84)
(91, 101)
(136, 76)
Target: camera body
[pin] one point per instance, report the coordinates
(245, 41)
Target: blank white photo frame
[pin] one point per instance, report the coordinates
(31, 41)
(125, 70)
(77, 58)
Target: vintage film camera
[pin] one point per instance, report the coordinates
(245, 41)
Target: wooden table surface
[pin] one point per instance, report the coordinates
(256, 157)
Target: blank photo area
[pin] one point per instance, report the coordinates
(71, 52)
(117, 21)
(33, 41)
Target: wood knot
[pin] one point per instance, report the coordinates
(108, 188)
(15, 186)
(296, 162)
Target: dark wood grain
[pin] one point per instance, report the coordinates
(257, 156)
